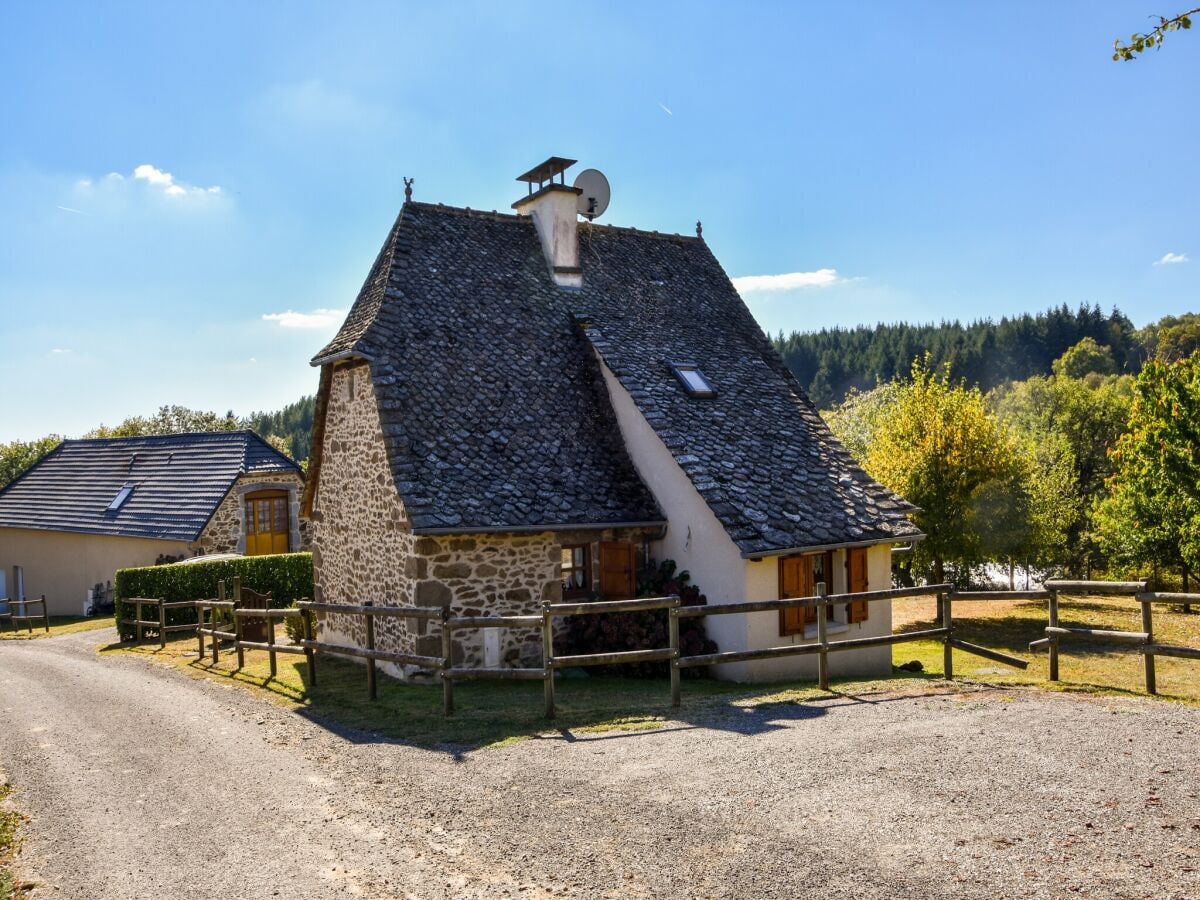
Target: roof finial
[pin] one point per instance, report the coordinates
(408, 183)
(699, 229)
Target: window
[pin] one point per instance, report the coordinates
(576, 572)
(798, 577)
(119, 500)
(693, 379)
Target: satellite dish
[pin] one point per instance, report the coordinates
(596, 193)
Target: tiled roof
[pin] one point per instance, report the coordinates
(495, 413)
(178, 482)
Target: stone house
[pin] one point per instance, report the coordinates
(91, 507)
(523, 407)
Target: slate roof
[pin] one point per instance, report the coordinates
(179, 480)
(496, 416)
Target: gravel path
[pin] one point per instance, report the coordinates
(142, 782)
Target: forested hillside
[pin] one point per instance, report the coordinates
(986, 353)
(292, 424)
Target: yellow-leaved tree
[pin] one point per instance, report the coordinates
(984, 494)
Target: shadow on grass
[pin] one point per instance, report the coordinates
(1013, 633)
(493, 714)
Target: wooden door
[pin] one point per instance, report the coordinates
(617, 581)
(267, 525)
(796, 580)
(857, 583)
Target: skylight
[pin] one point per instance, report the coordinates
(122, 496)
(693, 379)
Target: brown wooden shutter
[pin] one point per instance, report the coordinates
(617, 580)
(795, 580)
(856, 572)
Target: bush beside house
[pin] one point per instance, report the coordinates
(612, 632)
(287, 576)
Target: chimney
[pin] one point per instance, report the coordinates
(554, 206)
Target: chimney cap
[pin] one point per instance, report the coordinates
(544, 172)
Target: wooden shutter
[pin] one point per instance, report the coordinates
(795, 580)
(616, 570)
(857, 583)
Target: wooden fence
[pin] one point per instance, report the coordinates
(222, 620)
(24, 615)
(1138, 641)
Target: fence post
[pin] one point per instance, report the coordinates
(199, 628)
(946, 601)
(45, 614)
(447, 663)
(310, 656)
(215, 616)
(823, 639)
(271, 643)
(162, 625)
(137, 614)
(371, 647)
(1148, 627)
(548, 659)
(673, 635)
(1053, 645)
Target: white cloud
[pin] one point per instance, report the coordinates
(60, 350)
(788, 281)
(158, 178)
(318, 318)
(1172, 258)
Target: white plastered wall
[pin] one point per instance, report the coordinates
(698, 542)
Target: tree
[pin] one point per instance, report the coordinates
(17, 456)
(1083, 359)
(937, 445)
(856, 419)
(1152, 513)
(1074, 423)
(170, 420)
(1152, 39)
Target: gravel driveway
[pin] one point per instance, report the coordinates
(142, 782)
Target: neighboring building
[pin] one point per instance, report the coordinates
(522, 407)
(91, 507)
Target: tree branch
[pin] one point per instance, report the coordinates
(1139, 42)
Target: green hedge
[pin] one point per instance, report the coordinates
(287, 576)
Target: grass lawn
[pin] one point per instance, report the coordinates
(9, 820)
(492, 713)
(58, 625)
(1083, 665)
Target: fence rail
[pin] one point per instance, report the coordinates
(222, 620)
(24, 616)
(1142, 641)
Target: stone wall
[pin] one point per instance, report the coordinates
(226, 530)
(364, 549)
(362, 539)
(488, 575)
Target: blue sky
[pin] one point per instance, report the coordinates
(182, 187)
